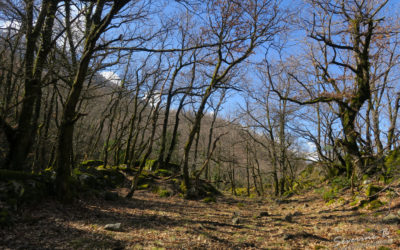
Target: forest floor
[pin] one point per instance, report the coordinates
(151, 222)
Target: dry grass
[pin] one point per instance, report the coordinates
(151, 222)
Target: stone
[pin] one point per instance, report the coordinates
(391, 219)
(297, 213)
(366, 182)
(235, 221)
(236, 214)
(372, 191)
(113, 227)
(288, 218)
(287, 237)
(111, 196)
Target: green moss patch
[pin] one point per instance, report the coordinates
(371, 191)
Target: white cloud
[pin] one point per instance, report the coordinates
(112, 77)
(311, 151)
(10, 24)
(310, 147)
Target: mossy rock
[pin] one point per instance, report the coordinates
(113, 178)
(87, 180)
(209, 199)
(363, 203)
(163, 172)
(151, 165)
(164, 192)
(206, 189)
(289, 193)
(91, 177)
(174, 168)
(145, 178)
(353, 203)
(23, 188)
(371, 191)
(242, 191)
(375, 204)
(143, 186)
(200, 190)
(111, 196)
(91, 163)
(124, 168)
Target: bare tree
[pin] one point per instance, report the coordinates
(250, 24)
(345, 35)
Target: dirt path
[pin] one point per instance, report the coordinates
(151, 222)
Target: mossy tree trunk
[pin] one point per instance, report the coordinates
(37, 28)
(97, 24)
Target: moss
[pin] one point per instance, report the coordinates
(164, 193)
(340, 182)
(94, 177)
(371, 191)
(163, 172)
(91, 163)
(330, 202)
(144, 186)
(329, 194)
(101, 167)
(182, 187)
(353, 203)
(176, 181)
(150, 165)
(145, 178)
(375, 204)
(241, 191)
(209, 199)
(363, 204)
(240, 204)
(155, 189)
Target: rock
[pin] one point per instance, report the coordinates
(87, 179)
(391, 219)
(281, 201)
(366, 182)
(297, 213)
(263, 214)
(372, 191)
(235, 221)
(288, 218)
(113, 227)
(236, 214)
(287, 237)
(92, 163)
(110, 196)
